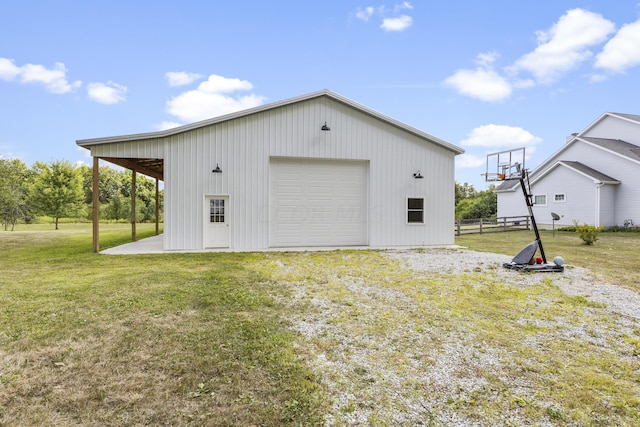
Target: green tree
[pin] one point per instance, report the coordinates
(14, 176)
(110, 184)
(482, 204)
(57, 190)
(464, 191)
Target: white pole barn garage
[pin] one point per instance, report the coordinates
(315, 170)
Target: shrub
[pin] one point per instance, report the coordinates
(588, 233)
(621, 228)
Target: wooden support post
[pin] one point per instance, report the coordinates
(95, 204)
(133, 205)
(157, 208)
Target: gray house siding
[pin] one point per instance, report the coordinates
(614, 200)
(614, 127)
(607, 195)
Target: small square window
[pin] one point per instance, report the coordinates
(559, 198)
(415, 211)
(540, 199)
(216, 210)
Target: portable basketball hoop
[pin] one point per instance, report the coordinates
(509, 165)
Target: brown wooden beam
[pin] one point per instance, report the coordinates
(131, 164)
(95, 204)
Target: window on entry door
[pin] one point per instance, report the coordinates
(216, 210)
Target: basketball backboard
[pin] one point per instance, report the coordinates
(503, 165)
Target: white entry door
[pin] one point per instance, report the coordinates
(216, 234)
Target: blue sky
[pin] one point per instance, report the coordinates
(484, 75)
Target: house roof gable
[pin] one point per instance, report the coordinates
(581, 168)
(618, 146)
(506, 186)
(322, 93)
(623, 116)
(633, 117)
(597, 176)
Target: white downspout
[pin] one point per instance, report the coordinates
(600, 184)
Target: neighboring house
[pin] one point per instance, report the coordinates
(593, 178)
(315, 170)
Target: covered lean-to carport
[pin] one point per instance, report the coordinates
(152, 167)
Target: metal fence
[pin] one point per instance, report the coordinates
(492, 225)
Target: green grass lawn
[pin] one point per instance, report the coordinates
(613, 257)
(177, 339)
(209, 338)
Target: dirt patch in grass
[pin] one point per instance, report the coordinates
(420, 338)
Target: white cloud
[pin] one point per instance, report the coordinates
(107, 93)
(168, 125)
(389, 23)
(404, 5)
(220, 84)
(622, 51)
(564, 46)
(365, 14)
(8, 70)
(486, 85)
(560, 49)
(181, 78)
(468, 161)
(500, 136)
(53, 79)
(212, 98)
(400, 23)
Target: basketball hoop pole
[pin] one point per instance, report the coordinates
(509, 165)
(529, 200)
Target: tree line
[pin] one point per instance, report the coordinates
(472, 204)
(60, 189)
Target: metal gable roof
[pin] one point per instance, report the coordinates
(266, 107)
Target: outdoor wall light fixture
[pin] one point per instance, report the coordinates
(217, 169)
(325, 127)
(418, 175)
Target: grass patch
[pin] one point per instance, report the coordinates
(613, 257)
(304, 338)
(179, 339)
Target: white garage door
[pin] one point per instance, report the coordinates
(318, 203)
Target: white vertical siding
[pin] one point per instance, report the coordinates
(243, 147)
(147, 149)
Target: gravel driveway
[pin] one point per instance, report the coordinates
(573, 281)
(386, 358)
